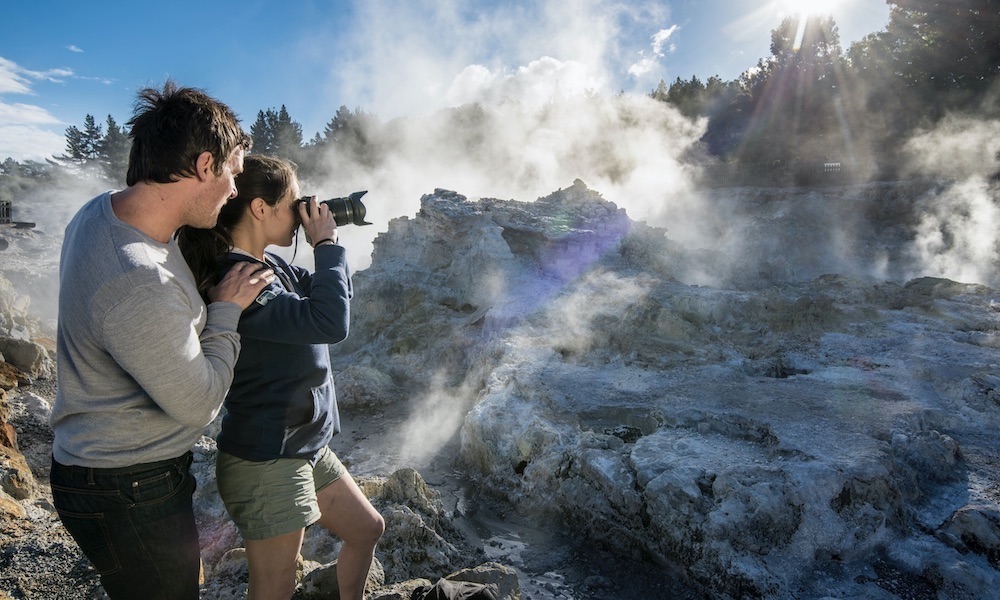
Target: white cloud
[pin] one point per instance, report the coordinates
(25, 142)
(25, 114)
(51, 75)
(25, 133)
(74, 48)
(647, 62)
(15, 79)
(26, 129)
(12, 78)
(660, 38)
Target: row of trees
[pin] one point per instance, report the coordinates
(353, 133)
(97, 147)
(106, 148)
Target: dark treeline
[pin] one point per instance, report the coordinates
(808, 103)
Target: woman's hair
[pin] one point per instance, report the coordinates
(171, 127)
(266, 177)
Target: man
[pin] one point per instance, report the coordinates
(143, 363)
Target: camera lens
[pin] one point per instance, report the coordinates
(347, 211)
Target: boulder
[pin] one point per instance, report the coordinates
(30, 357)
(321, 583)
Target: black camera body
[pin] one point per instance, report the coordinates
(346, 211)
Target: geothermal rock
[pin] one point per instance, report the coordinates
(785, 432)
(419, 541)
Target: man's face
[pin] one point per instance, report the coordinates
(218, 190)
(227, 180)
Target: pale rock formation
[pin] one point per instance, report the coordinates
(788, 433)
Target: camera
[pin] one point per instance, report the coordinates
(346, 211)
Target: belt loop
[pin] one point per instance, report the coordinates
(183, 463)
(90, 476)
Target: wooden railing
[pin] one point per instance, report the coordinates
(5, 215)
(775, 175)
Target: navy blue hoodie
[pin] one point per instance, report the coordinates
(282, 403)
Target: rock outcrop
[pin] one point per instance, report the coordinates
(21, 361)
(793, 434)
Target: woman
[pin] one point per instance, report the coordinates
(275, 472)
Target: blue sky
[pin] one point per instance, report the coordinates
(60, 61)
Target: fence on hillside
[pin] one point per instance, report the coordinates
(5, 215)
(776, 175)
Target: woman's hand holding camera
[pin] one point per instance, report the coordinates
(317, 221)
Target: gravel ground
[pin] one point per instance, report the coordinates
(38, 558)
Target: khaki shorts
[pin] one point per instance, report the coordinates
(270, 498)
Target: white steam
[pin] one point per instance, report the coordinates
(629, 148)
(543, 81)
(402, 58)
(599, 296)
(435, 417)
(539, 75)
(957, 234)
(960, 147)
(956, 237)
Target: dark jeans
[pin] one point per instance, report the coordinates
(135, 524)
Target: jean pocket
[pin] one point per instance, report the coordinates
(156, 488)
(90, 530)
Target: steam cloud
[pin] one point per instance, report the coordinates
(629, 148)
(956, 236)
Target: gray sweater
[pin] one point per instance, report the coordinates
(143, 364)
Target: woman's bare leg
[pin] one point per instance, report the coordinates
(347, 513)
(272, 565)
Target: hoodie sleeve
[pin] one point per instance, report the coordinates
(317, 311)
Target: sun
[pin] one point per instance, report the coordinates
(809, 7)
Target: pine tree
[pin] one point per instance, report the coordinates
(275, 133)
(337, 125)
(287, 135)
(114, 149)
(355, 134)
(92, 136)
(75, 144)
(83, 145)
(262, 132)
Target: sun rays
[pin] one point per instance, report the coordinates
(808, 7)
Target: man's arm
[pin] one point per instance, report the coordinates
(153, 336)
